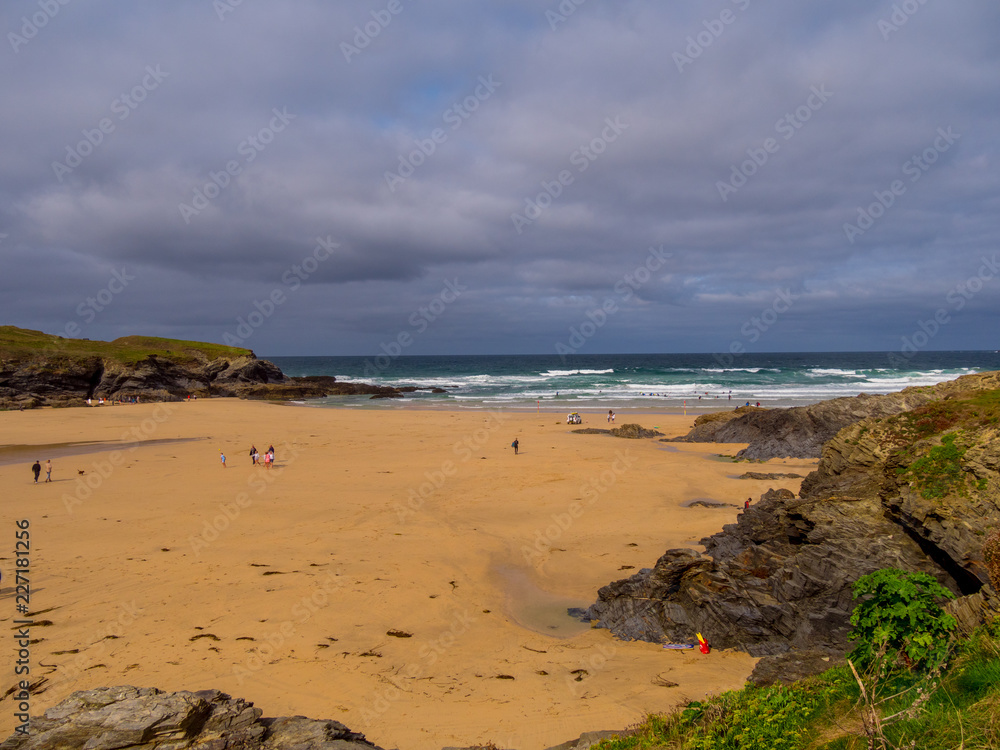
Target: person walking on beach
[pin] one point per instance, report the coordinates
(270, 449)
(253, 454)
(222, 459)
(48, 470)
(611, 416)
(37, 469)
(514, 445)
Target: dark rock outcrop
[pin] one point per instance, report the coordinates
(792, 666)
(130, 718)
(918, 491)
(768, 477)
(41, 370)
(627, 431)
(778, 579)
(801, 431)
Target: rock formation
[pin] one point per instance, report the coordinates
(917, 491)
(627, 431)
(130, 718)
(37, 369)
(801, 431)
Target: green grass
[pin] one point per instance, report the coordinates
(822, 713)
(22, 345)
(970, 410)
(939, 472)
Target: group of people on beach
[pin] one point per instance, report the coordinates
(268, 456)
(36, 469)
(255, 457)
(114, 401)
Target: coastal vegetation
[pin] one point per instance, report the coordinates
(906, 685)
(19, 344)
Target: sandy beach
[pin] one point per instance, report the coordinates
(398, 570)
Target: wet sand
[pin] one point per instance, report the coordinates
(400, 571)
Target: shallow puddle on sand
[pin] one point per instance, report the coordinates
(539, 610)
(18, 454)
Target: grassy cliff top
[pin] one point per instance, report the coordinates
(23, 344)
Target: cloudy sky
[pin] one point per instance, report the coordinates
(313, 177)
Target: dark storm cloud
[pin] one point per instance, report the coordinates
(532, 152)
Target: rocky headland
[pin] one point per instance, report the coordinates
(801, 431)
(917, 490)
(37, 369)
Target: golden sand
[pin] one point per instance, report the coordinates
(398, 570)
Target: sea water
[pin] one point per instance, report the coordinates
(660, 382)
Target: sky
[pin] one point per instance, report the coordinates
(592, 176)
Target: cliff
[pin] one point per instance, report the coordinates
(37, 369)
(917, 491)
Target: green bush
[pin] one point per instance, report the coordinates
(768, 718)
(897, 615)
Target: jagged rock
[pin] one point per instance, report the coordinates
(777, 579)
(627, 431)
(991, 558)
(634, 432)
(124, 718)
(791, 666)
(917, 491)
(772, 477)
(801, 431)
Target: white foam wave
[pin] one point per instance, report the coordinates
(566, 373)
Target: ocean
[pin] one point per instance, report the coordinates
(652, 382)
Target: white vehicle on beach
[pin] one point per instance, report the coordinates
(574, 418)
